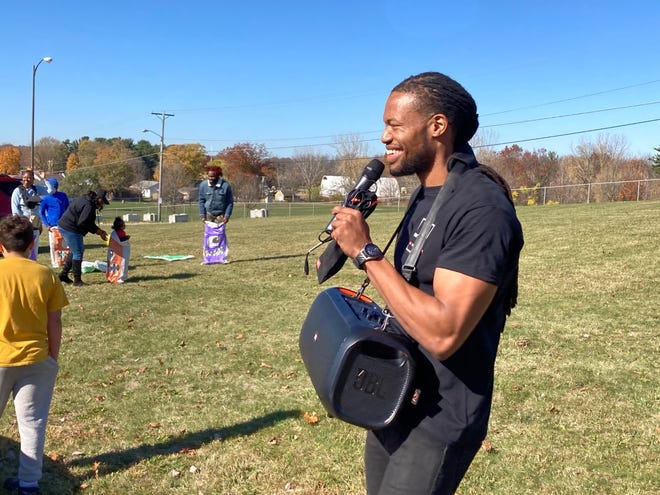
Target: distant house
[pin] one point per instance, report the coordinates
(148, 188)
(333, 185)
(189, 193)
(337, 185)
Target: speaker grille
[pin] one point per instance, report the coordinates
(372, 384)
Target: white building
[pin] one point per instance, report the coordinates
(148, 188)
(337, 185)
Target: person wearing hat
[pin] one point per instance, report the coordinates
(51, 209)
(78, 220)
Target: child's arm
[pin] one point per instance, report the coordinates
(54, 328)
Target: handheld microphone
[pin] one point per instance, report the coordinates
(370, 175)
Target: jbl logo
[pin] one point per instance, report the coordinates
(368, 382)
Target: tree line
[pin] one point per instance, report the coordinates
(117, 163)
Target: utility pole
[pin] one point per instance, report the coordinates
(162, 116)
(34, 77)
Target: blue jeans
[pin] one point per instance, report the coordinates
(75, 242)
(418, 465)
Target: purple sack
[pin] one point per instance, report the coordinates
(215, 247)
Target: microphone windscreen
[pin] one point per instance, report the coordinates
(374, 170)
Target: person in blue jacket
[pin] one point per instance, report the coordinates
(216, 200)
(53, 205)
(51, 209)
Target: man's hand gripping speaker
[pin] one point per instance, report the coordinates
(362, 374)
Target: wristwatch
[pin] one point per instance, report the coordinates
(369, 252)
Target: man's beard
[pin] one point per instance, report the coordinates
(416, 164)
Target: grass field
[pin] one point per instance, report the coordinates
(188, 379)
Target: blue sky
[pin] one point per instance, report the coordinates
(295, 74)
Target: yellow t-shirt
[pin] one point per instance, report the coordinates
(28, 292)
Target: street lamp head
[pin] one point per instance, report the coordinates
(48, 59)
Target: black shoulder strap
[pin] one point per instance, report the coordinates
(24, 195)
(409, 266)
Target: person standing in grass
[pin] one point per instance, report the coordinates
(453, 300)
(31, 302)
(51, 209)
(216, 202)
(78, 220)
(25, 201)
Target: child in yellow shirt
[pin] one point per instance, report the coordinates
(31, 302)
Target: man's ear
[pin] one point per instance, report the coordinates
(439, 124)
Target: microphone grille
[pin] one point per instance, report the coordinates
(374, 169)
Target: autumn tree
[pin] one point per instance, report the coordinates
(112, 161)
(72, 162)
(248, 169)
(115, 165)
(50, 154)
(191, 157)
(182, 165)
(10, 159)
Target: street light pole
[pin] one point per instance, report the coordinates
(162, 116)
(34, 77)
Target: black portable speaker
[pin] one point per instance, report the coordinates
(362, 374)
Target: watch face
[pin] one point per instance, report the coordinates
(372, 251)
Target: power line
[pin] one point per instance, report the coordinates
(572, 99)
(571, 114)
(568, 133)
(481, 126)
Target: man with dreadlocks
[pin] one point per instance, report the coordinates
(454, 300)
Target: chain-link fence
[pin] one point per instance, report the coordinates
(597, 192)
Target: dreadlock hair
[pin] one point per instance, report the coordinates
(438, 93)
(214, 168)
(491, 173)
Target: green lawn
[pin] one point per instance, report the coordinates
(188, 379)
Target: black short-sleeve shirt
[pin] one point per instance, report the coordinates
(476, 233)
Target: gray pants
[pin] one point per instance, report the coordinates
(32, 389)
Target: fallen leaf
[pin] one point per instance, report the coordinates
(487, 446)
(312, 418)
(273, 441)
(154, 424)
